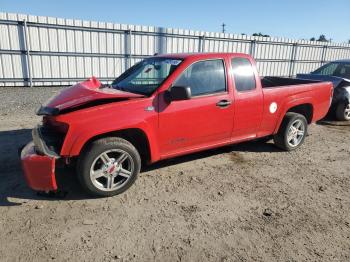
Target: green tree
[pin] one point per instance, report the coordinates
(260, 34)
(322, 38)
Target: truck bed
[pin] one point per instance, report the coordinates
(284, 92)
(273, 81)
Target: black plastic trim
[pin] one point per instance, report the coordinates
(47, 111)
(40, 145)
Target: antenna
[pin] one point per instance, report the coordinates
(223, 27)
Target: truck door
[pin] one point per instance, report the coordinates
(248, 95)
(203, 120)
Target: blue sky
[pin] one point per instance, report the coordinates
(300, 19)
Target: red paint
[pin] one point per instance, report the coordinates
(39, 171)
(111, 169)
(85, 92)
(180, 127)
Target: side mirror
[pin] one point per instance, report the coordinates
(177, 93)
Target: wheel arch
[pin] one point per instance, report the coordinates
(306, 110)
(136, 136)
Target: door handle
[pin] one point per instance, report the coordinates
(223, 103)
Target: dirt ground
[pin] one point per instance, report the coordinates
(247, 202)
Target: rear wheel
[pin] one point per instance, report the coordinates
(292, 132)
(108, 166)
(343, 111)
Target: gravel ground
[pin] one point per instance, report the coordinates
(247, 202)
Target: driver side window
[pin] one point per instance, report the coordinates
(204, 77)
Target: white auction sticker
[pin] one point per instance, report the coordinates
(273, 108)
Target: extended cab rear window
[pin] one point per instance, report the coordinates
(243, 74)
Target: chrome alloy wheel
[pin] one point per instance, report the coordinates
(111, 169)
(296, 133)
(347, 112)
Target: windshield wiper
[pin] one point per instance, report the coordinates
(124, 89)
(118, 87)
(105, 85)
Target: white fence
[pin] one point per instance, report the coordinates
(38, 50)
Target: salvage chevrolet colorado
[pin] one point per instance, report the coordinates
(163, 107)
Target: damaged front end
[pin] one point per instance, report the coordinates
(39, 158)
(341, 86)
(39, 170)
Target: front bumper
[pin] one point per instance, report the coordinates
(39, 170)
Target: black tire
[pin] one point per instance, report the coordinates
(341, 112)
(280, 139)
(90, 156)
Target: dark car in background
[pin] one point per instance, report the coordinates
(338, 72)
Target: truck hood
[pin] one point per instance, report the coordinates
(85, 94)
(337, 81)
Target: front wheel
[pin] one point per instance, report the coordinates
(343, 111)
(292, 132)
(108, 166)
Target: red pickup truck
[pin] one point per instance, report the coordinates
(162, 107)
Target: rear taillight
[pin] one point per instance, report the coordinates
(332, 93)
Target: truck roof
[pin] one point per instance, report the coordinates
(200, 55)
(346, 61)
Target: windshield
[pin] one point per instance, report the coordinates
(146, 76)
(334, 69)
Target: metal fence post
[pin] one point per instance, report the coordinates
(127, 43)
(24, 47)
(161, 40)
(201, 43)
(293, 59)
(252, 48)
(323, 56)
